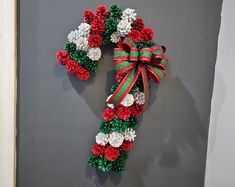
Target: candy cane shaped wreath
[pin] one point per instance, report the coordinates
(137, 61)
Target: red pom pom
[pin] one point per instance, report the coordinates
(102, 12)
(136, 110)
(83, 74)
(119, 77)
(123, 112)
(72, 66)
(138, 24)
(94, 40)
(88, 16)
(97, 26)
(111, 153)
(135, 36)
(97, 149)
(108, 114)
(147, 34)
(62, 57)
(126, 146)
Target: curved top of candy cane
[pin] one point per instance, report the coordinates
(102, 27)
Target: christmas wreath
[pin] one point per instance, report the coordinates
(138, 60)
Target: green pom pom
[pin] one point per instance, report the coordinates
(118, 125)
(143, 44)
(70, 47)
(132, 122)
(140, 85)
(105, 127)
(93, 160)
(106, 38)
(115, 11)
(119, 164)
(114, 87)
(90, 65)
(110, 25)
(104, 164)
(80, 57)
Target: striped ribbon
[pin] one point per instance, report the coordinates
(137, 65)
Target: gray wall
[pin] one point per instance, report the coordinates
(221, 149)
(58, 115)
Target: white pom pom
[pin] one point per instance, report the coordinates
(129, 14)
(139, 98)
(102, 138)
(73, 36)
(108, 104)
(94, 54)
(129, 134)
(128, 100)
(84, 29)
(115, 37)
(116, 139)
(82, 44)
(124, 27)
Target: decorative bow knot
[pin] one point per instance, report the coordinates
(137, 64)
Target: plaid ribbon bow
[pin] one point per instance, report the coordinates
(137, 65)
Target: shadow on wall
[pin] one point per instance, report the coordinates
(175, 129)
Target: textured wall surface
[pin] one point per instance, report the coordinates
(221, 150)
(58, 115)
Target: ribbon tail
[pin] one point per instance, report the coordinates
(124, 87)
(145, 84)
(157, 73)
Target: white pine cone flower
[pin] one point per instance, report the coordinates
(129, 14)
(73, 36)
(124, 27)
(116, 139)
(128, 100)
(102, 138)
(94, 54)
(129, 134)
(115, 37)
(139, 98)
(108, 104)
(82, 44)
(84, 29)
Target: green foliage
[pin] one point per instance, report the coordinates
(70, 47)
(118, 125)
(115, 11)
(91, 66)
(105, 127)
(132, 122)
(104, 164)
(119, 164)
(106, 38)
(143, 44)
(114, 87)
(93, 160)
(110, 25)
(140, 85)
(80, 57)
